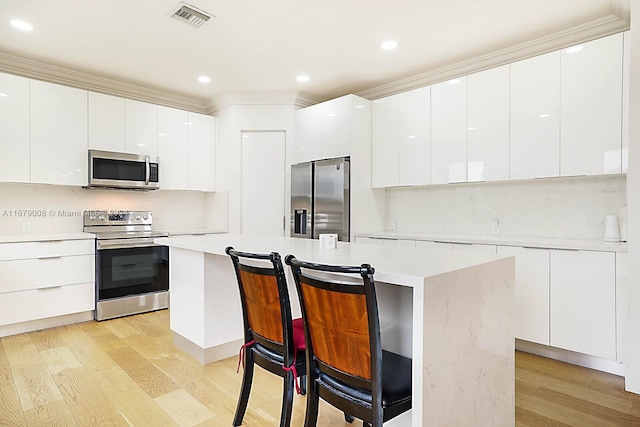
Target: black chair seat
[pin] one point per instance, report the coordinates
(396, 381)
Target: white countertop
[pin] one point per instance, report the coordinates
(534, 242)
(397, 265)
(28, 237)
(193, 231)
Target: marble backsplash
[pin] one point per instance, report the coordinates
(573, 208)
(58, 209)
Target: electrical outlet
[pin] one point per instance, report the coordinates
(393, 224)
(495, 227)
(26, 227)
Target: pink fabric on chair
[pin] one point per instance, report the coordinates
(298, 334)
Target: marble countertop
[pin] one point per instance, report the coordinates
(193, 231)
(523, 241)
(397, 265)
(28, 237)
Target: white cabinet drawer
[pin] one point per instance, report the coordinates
(44, 249)
(20, 275)
(36, 304)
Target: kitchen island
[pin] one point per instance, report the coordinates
(452, 313)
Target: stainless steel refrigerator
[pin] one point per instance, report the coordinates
(320, 198)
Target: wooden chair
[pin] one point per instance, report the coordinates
(272, 339)
(346, 365)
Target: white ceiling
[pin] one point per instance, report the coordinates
(254, 45)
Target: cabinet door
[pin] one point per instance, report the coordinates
(14, 128)
(626, 55)
(449, 131)
(202, 152)
(488, 125)
(307, 134)
(622, 305)
(173, 148)
(583, 302)
(415, 137)
(591, 108)
(58, 134)
(535, 117)
(473, 247)
(385, 125)
(335, 122)
(141, 128)
(399, 242)
(106, 122)
(532, 292)
(445, 246)
(369, 240)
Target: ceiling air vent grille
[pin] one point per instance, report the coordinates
(191, 15)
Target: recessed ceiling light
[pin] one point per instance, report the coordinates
(204, 79)
(188, 123)
(574, 49)
(543, 115)
(470, 128)
(454, 81)
(162, 134)
(389, 45)
(331, 114)
(21, 25)
(412, 137)
(3, 94)
(302, 78)
(140, 145)
(359, 106)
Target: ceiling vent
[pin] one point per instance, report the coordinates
(191, 15)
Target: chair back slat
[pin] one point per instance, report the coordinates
(262, 304)
(340, 338)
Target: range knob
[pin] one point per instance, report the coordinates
(138, 217)
(101, 217)
(145, 217)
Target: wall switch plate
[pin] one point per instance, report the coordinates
(393, 224)
(26, 227)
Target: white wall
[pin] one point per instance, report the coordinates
(63, 205)
(633, 202)
(232, 121)
(563, 208)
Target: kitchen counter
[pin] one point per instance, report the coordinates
(49, 237)
(523, 241)
(452, 313)
(193, 232)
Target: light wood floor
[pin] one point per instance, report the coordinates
(126, 371)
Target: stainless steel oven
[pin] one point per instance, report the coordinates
(132, 272)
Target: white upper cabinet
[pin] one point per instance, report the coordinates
(488, 125)
(14, 128)
(58, 134)
(385, 150)
(141, 128)
(202, 152)
(449, 131)
(535, 117)
(106, 122)
(625, 102)
(172, 148)
(591, 107)
(307, 134)
(325, 130)
(401, 139)
(335, 123)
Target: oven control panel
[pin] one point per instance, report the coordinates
(117, 217)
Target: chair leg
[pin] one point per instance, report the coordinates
(348, 418)
(287, 400)
(303, 385)
(245, 389)
(311, 415)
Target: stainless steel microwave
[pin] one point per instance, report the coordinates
(108, 169)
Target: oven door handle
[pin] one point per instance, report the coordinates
(125, 243)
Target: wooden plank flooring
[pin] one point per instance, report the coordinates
(126, 372)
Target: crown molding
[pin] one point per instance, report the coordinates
(225, 99)
(602, 27)
(53, 74)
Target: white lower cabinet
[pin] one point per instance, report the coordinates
(622, 305)
(532, 292)
(472, 247)
(46, 279)
(583, 302)
(386, 241)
